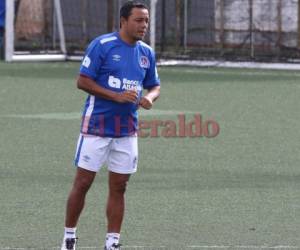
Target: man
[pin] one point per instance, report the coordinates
(114, 71)
(2, 27)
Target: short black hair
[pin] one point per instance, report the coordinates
(126, 8)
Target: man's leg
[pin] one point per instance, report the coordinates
(116, 201)
(90, 155)
(82, 182)
(115, 206)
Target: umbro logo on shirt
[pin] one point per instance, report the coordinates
(116, 57)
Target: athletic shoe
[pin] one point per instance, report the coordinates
(113, 247)
(69, 244)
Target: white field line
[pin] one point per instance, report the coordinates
(212, 71)
(227, 64)
(244, 247)
(77, 116)
(237, 247)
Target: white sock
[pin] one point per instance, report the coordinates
(112, 238)
(70, 232)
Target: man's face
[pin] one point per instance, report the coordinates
(137, 23)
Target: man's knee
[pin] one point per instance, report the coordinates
(83, 184)
(118, 182)
(118, 187)
(84, 180)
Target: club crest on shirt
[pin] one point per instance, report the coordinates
(144, 62)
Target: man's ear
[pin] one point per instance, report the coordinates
(122, 22)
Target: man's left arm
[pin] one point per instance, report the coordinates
(147, 100)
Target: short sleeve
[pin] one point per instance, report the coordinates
(92, 60)
(151, 79)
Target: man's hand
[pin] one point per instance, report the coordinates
(146, 102)
(126, 96)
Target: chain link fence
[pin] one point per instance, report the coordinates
(266, 30)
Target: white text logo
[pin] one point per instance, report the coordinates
(114, 82)
(127, 84)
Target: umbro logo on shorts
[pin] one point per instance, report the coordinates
(86, 158)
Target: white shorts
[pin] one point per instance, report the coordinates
(119, 154)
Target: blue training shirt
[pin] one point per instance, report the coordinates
(117, 66)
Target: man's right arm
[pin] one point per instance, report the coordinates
(91, 87)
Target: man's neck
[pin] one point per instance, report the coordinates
(125, 38)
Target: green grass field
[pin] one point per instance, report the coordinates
(239, 190)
